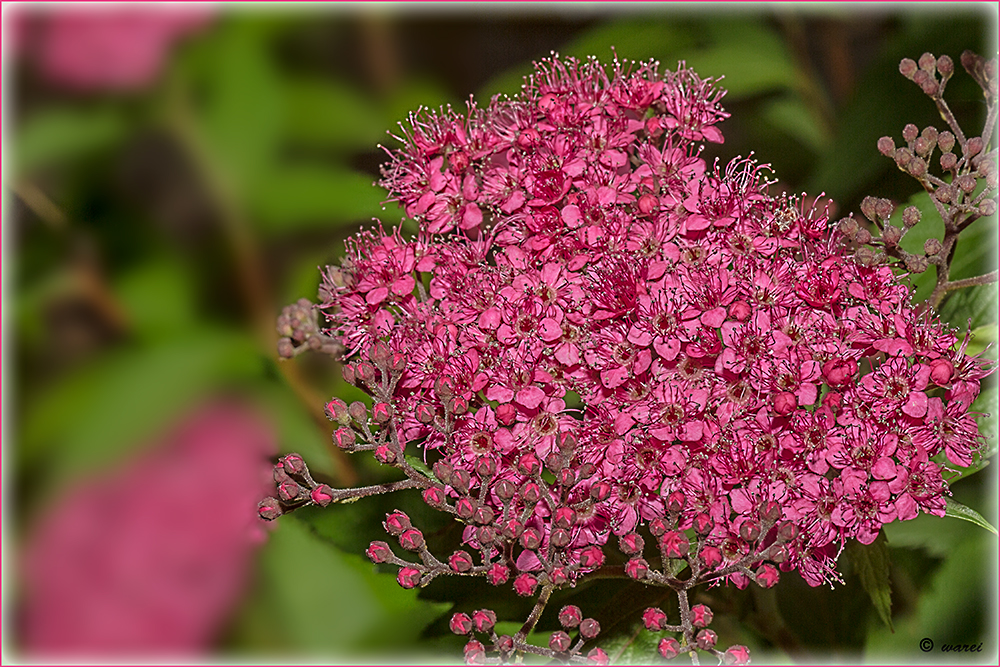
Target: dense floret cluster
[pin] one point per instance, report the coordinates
(594, 332)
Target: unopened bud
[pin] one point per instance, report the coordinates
(597, 656)
(344, 437)
(932, 246)
(946, 141)
(916, 168)
(911, 216)
(336, 410)
(987, 207)
(948, 161)
(916, 263)
(648, 203)
(486, 535)
(434, 496)
(460, 561)
(269, 509)
(637, 568)
(966, 183)
(385, 455)
(848, 227)
(286, 348)
(484, 514)
(358, 412)
(379, 552)
(525, 584)
(381, 412)
(530, 539)
(706, 639)
(563, 517)
(767, 575)
(559, 641)
(868, 208)
(703, 523)
(883, 208)
(658, 527)
(484, 620)
(945, 194)
(631, 543)
(946, 66)
(750, 531)
(530, 493)
(411, 540)
(736, 655)
(711, 557)
(460, 481)
(942, 371)
(589, 628)
(408, 577)
(669, 648)
(465, 507)
(289, 490)
(460, 624)
(928, 63)
(498, 574)
(910, 132)
(654, 619)
(322, 495)
(560, 538)
(907, 67)
(973, 146)
(891, 235)
(865, 256)
(379, 353)
(771, 511)
(886, 146)
(570, 616)
(504, 489)
(474, 652)
(349, 375)
(396, 523)
(486, 467)
(701, 616)
(903, 157)
(674, 544)
(591, 557)
(600, 491)
(365, 371)
(675, 501)
(528, 464)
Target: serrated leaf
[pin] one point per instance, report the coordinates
(871, 563)
(956, 509)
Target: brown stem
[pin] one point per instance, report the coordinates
(536, 613)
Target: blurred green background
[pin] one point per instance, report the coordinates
(154, 228)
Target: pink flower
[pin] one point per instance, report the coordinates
(151, 558)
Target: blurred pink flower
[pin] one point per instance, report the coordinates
(119, 49)
(152, 557)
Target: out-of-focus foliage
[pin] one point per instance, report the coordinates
(153, 234)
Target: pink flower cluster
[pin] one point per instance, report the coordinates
(150, 559)
(595, 331)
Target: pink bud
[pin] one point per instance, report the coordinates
(711, 557)
(675, 501)
(654, 619)
(767, 575)
(504, 489)
(525, 584)
(785, 403)
(564, 517)
(294, 465)
(530, 538)
(344, 437)
(528, 464)
(637, 568)
(512, 529)
(701, 616)
(657, 527)
(460, 480)
(839, 372)
(411, 540)
(322, 495)
(379, 552)
(591, 557)
(559, 641)
(396, 522)
(465, 507)
(530, 492)
(750, 531)
(460, 624)
(484, 514)
(598, 656)
(600, 491)
(398, 362)
(381, 412)
(669, 648)
(706, 639)
(589, 628)
(674, 544)
(384, 455)
(648, 203)
(739, 311)
(434, 496)
(474, 652)
(365, 371)
(560, 537)
(506, 414)
(703, 523)
(289, 490)
(484, 620)
(460, 561)
(570, 616)
(631, 543)
(787, 532)
(269, 509)
(408, 577)
(736, 655)
(497, 574)
(941, 372)
(424, 413)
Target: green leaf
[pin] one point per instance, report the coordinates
(321, 600)
(302, 196)
(789, 114)
(419, 464)
(64, 133)
(871, 563)
(749, 53)
(958, 510)
(324, 113)
(978, 304)
(101, 413)
(158, 297)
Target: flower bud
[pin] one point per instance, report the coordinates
(910, 132)
(486, 467)
(941, 372)
(654, 619)
(528, 464)
(358, 412)
(967, 183)
(344, 438)
(385, 455)
(396, 523)
(916, 168)
(530, 539)
(675, 501)
(600, 491)
(424, 413)
(460, 561)
(486, 535)
(973, 146)
(589, 628)
(381, 412)
(269, 509)
(703, 523)
(736, 655)
(505, 644)
(771, 511)
(365, 371)
(530, 493)
(322, 495)
(932, 246)
(948, 161)
(785, 403)
(443, 471)
(631, 543)
(457, 405)
(484, 514)
(903, 157)
(886, 146)
(598, 656)
(701, 616)
(444, 387)
(460, 480)
(911, 216)
(498, 574)
(504, 489)
(674, 544)
(525, 584)
(767, 575)
(563, 517)
(567, 477)
(570, 616)
(750, 531)
(711, 557)
(945, 194)
(408, 577)
(560, 538)
(460, 624)
(706, 639)
(379, 353)
(907, 67)
(591, 557)
(411, 540)
(559, 641)
(946, 141)
(474, 652)
(868, 205)
(946, 66)
(637, 568)
(512, 529)
(289, 490)
(286, 348)
(987, 207)
(465, 507)
(379, 552)
(916, 264)
(434, 496)
(669, 648)
(484, 620)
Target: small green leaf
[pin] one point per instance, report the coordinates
(960, 511)
(420, 466)
(872, 565)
